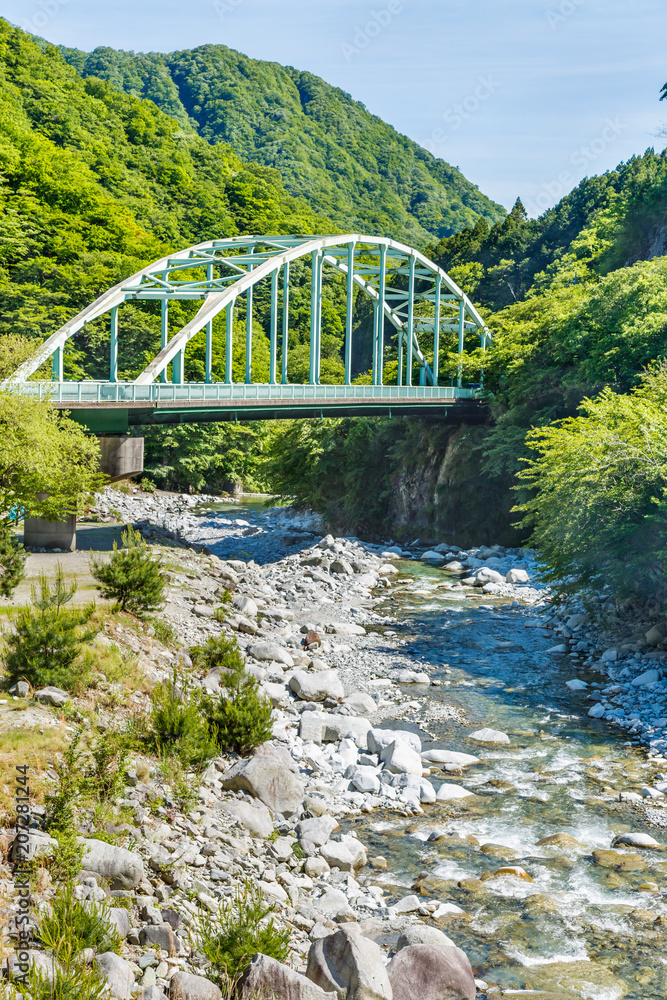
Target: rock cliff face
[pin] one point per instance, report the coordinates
(440, 492)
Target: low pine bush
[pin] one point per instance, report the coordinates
(178, 724)
(217, 651)
(76, 983)
(242, 927)
(73, 925)
(132, 577)
(240, 718)
(48, 636)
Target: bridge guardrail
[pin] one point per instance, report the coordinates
(200, 392)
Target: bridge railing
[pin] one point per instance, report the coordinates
(198, 392)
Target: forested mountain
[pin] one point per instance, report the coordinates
(328, 148)
(96, 183)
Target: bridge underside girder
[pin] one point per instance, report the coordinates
(116, 419)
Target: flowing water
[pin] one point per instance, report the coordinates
(577, 927)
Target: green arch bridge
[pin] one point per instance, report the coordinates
(413, 303)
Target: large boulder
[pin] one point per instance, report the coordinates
(183, 986)
(452, 757)
(423, 934)
(267, 979)
(270, 652)
(254, 816)
(339, 727)
(266, 778)
(350, 965)
(378, 739)
(245, 605)
(431, 974)
(318, 830)
(52, 696)
(346, 853)
(317, 686)
(118, 975)
(487, 735)
(399, 758)
(124, 868)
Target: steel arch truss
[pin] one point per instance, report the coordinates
(406, 289)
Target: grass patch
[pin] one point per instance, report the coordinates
(37, 750)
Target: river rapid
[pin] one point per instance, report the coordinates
(571, 924)
(512, 865)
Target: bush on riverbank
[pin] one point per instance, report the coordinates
(599, 514)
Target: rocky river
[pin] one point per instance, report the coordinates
(458, 762)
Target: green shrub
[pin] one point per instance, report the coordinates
(76, 983)
(599, 512)
(178, 725)
(217, 651)
(164, 632)
(240, 718)
(72, 926)
(241, 928)
(132, 577)
(12, 559)
(48, 636)
(110, 752)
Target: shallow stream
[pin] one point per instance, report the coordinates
(573, 925)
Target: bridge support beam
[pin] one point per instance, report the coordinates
(121, 457)
(349, 313)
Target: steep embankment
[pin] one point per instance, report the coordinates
(327, 147)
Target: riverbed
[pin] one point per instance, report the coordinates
(544, 916)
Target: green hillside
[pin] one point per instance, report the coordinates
(328, 148)
(94, 184)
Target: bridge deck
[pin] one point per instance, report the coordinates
(112, 407)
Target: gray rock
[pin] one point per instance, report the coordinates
(30, 844)
(361, 702)
(489, 736)
(378, 739)
(399, 758)
(265, 979)
(431, 974)
(183, 986)
(338, 727)
(346, 853)
(270, 651)
(269, 781)
(449, 757)
(118, 974)
(161, 935)
(351, 965)
(311, 726)
(46, 964)
(517, 576)
(52, 696)
(21, 689)
(318, 830)
(423, 934)
(245, 605)
(317, 686)
(254, 816)
(203, 610)
(124, 868)
(152, 993)
(120, 919)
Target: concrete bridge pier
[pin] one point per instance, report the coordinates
(121, 457)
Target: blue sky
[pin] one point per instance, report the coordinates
(525, 96)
